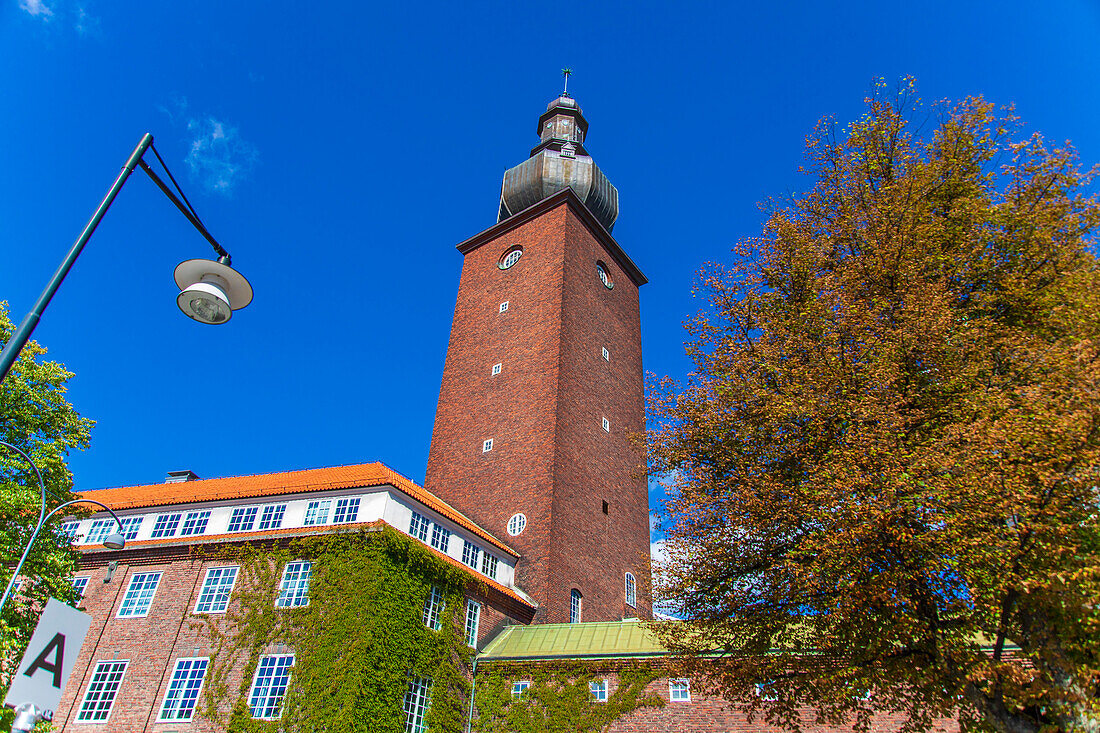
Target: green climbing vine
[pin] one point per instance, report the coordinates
(558, 698)
(356, 644)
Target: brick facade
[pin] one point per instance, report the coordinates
(551, 459)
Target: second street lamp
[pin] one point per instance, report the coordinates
(210, 289)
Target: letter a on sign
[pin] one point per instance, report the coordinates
(50, 657)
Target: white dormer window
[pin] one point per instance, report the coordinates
(504, 306)
(568, 151)
(497, 368)
(606, 425)
(487, 445)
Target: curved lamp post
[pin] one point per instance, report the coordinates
(114, 541)
(210, 289)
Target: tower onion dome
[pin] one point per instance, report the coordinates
(560, 160)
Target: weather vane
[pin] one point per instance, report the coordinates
(566, 72)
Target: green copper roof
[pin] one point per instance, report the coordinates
(598, 639)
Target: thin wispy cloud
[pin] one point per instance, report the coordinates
(37, 8)
(219, 158)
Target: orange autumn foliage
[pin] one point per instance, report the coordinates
(883, 471)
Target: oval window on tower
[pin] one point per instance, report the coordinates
(516, 524)
(604, 275)
(510, 257)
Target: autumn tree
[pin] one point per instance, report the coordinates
(36, 418)
(883, 471)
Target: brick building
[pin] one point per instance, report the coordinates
(533, 485)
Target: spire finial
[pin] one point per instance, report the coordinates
(566, 72)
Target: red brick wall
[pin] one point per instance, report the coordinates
(551, 459)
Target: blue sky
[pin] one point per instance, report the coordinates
(341, 150)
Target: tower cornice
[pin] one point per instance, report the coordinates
(566, 196)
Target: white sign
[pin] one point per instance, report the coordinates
(49, 659)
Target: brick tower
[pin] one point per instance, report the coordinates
(542, 386)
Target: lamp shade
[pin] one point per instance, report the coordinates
(210, 291)
(114, 541)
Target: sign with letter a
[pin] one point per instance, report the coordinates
(41, 676)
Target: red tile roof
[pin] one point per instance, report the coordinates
(278, 484)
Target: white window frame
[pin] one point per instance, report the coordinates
(486, 445)
(197, 521)
(269, 701)
(488, 564)
(317, 513)
(69, 529)
(516, 524)
(347, 510)
(131, 526)
(597, 690)
(504, 306)
(271, 517)
(606, 425)
(243, 511)
(679, 689)
(213, 585)
(510, 258)
(294, 591)
(166, 525)
(420, 526)
(88, 715)
(441, 538)
(473, 620)
(497, 368)
(471, 554)
(418, 700)
(519, 687)
(182, 691)
(81, 587)
(135, 596)
(606, 354)
(433, 609)
(99, 530)
(576, 606)
(631, 590)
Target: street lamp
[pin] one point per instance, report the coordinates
(114, 541)
(211, 289)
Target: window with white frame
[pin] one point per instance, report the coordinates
(517, 524)
(504, 306)
(347, 510)
(418, 698)
(488, 565)
(99, 531)
(69, 529)
(130, 527)
(487, 445)
(473, 617)
(269, 686)
(418, 527)
(510, 257)
(470, 553)
(519, 687)
(166, 526)
(575, 599)
(216, 587)
(243, 518)
(767, 691)
(441, 538)
(139, 595)
(631, 591)
(606, 425)
(679, 690)
(317, 512)
(195, 523)
(606, 354)
(272, 516)
(294, 588)
(497, 367)
(80, 584)
(597, 689)
(433, 607)
(102, 691)
(183, 689)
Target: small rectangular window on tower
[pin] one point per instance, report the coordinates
(504, 306)
(606, 354)
(497, 368)
(606, 425)
(487, 446)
